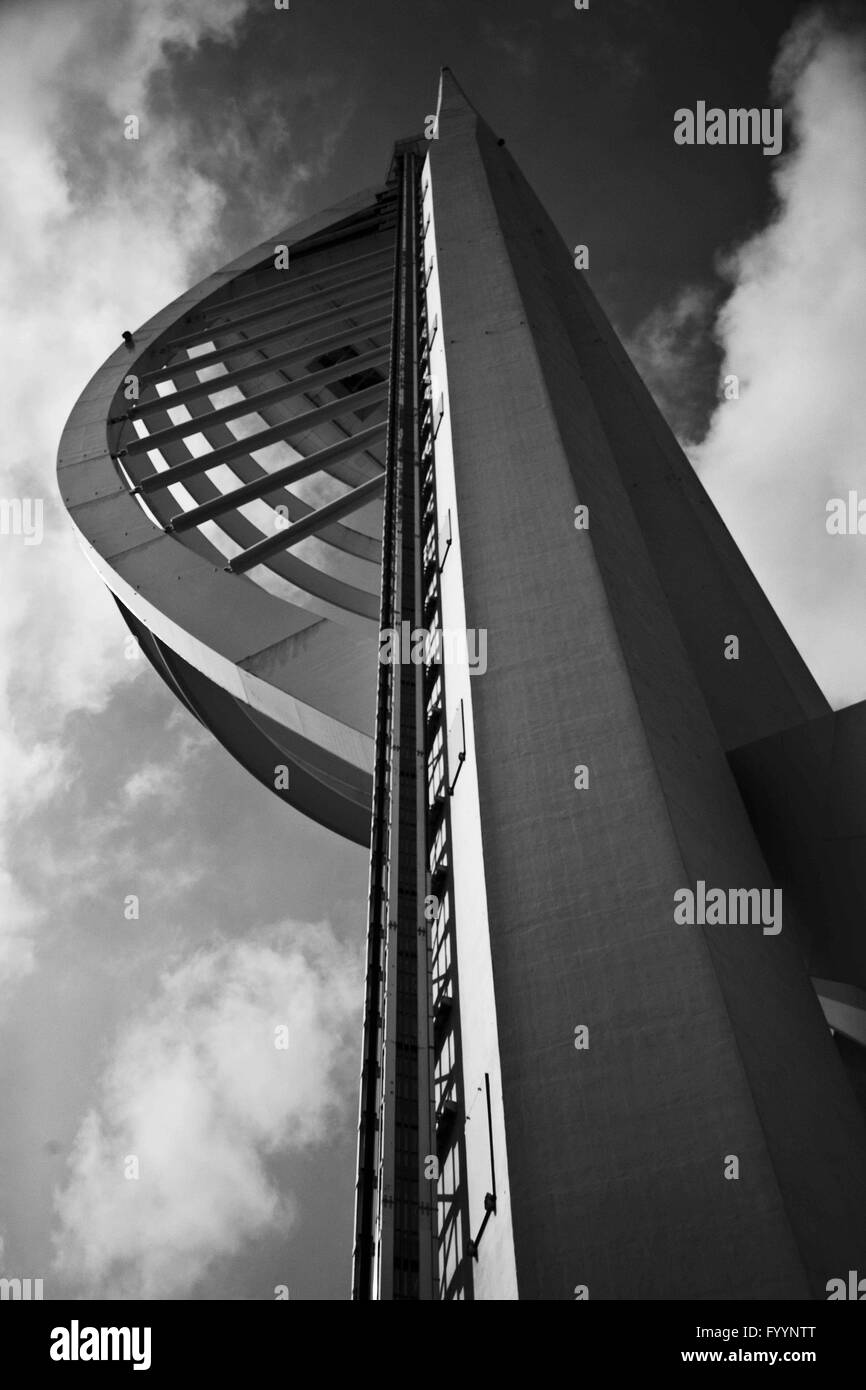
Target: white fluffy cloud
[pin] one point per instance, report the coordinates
(16, 941)
(200, 1095)
(82, 213)
(794, 331)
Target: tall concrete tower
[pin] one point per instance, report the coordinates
(388, 507)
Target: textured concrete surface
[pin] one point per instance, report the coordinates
(605, 649)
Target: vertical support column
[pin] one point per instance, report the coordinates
(394, 1219)
(366, 1205)
(454, 1248)
(416, 690)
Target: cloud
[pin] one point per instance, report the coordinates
(16, 933)
(154, 779)
(96, 234)
(200, 1095)
(163, 779)
(793, 330)
(671, 335)
(85, 210)
(111, 829)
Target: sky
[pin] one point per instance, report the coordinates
(151, 1037)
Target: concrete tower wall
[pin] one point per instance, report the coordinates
(705, 1042)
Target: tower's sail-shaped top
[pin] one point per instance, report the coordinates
(225, 471)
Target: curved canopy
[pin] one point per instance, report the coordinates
(225, 468)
